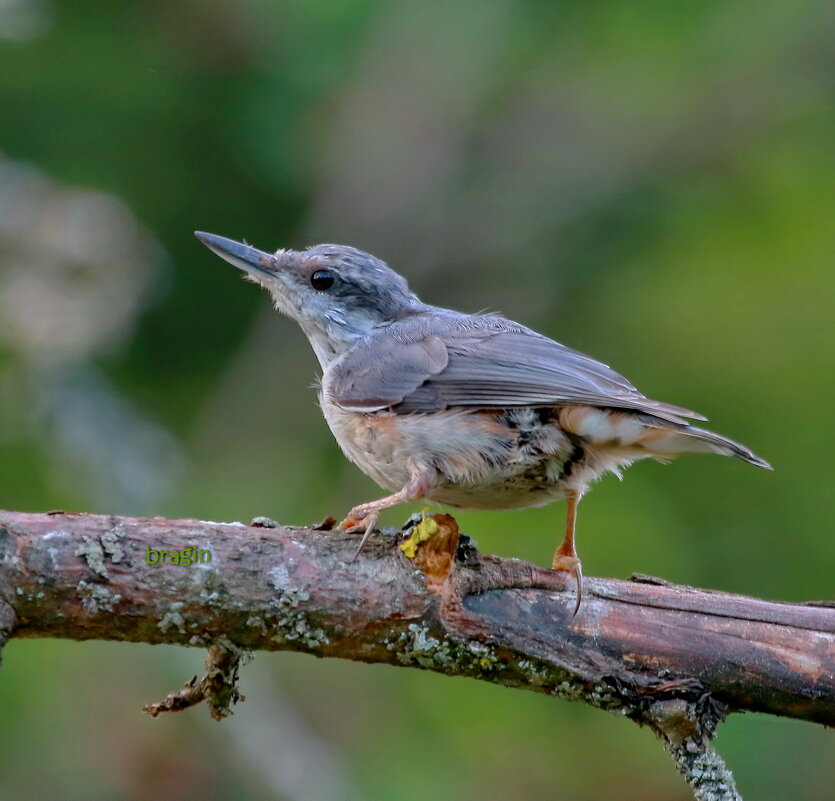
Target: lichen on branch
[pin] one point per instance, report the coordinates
(676, 659)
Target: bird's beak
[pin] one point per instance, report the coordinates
(246, 258)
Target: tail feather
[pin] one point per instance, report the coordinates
(692, 439)
(636, 432)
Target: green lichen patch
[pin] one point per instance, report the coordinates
(598, 695)
(210, 597)
(173, 619)
(291, 623)
(94, 550)
(257, 622)
(93, 553)
(97, 598)
(111, 545)
(418, 646)
(421, 647)
(263, 522)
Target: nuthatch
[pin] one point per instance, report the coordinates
(468, 410)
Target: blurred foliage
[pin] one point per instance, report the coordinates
(648, 182)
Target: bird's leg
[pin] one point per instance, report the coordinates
(365, 516)
(565, 557)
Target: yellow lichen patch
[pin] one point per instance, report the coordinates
(420, 533)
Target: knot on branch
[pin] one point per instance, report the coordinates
(433, 544)
(686, 728)
(218, 687)
(677, 719)
(453, 568)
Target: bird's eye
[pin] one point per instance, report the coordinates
(322, 280)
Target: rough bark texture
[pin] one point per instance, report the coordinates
(677, 659)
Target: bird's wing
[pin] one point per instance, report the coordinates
(381, 370)
(431, 362)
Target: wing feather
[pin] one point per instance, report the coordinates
(383, 371)
(429, 362)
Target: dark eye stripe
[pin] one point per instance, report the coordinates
(322, 280)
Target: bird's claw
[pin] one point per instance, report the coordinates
(360, 521)
(572, 566)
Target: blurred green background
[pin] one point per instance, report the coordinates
(651, 183)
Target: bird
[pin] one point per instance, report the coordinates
(465, 410)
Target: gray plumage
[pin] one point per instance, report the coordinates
(467, 410)
(439, 358)
(381, 348)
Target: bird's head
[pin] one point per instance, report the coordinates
(337, 294)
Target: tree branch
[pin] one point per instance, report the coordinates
(677, 659)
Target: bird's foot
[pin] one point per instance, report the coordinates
(360, 520)
(570, 564)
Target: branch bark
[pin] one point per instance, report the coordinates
(677, 659)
